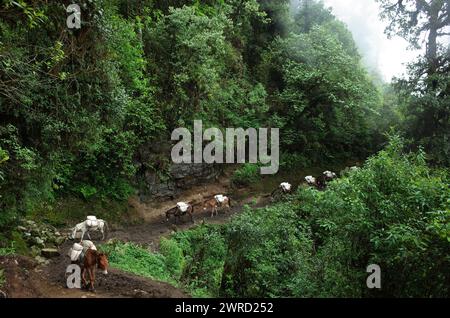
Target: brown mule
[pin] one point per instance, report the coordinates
(93, 259)
(177, 213)
(211, 205)
(226, 203)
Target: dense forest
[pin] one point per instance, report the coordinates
(79, 106)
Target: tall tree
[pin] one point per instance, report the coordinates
(414, 19)
(427, 89)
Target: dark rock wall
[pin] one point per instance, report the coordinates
(159, 178)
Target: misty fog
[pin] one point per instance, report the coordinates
(388, 57)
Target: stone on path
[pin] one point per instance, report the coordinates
(50, 252)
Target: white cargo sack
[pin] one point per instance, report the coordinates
(182, 206)
(286, 186)
(91, 221)
(310, 179)
(75, 252)
(88, 245)
(329, 174)
(220, 198)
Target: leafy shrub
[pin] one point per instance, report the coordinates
(19, 244)
(135, 259)
(6, 251)
(247, 174)
(393, 212)
(204, 248)
(174, 258)
(2, 278)
(293, 160)
(269, 255)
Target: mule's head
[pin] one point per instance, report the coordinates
(103, 263)
(207, 205)
(168, 215)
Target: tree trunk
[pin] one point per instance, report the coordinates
(432, 51)
(432, 41)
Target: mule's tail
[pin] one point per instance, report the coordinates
(191, 209)
(274, 192)
(106, 230)
(73, 233)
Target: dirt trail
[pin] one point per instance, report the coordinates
(155, 226)
(24, 278)
(149, 233)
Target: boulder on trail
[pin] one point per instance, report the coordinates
(50, 252)
(42, 260)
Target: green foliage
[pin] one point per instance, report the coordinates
(393, 212)
(35, 16)
(324, 97)
(19, 244)
(193, 260)
(79, 108)
(204, 251)
(174, 257)
(6, 251)
(291, 161)
(247, 174)
(425, 91)
(426, 111)
(2, 278)
(138, 260)
(268, 255)
(387, 211)
(69, 210)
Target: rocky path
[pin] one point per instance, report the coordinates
(25, 277)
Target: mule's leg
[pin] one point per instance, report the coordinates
(92, 279)
(83, 277)
(89, 235)
(82, 235)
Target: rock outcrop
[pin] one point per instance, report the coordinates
(42, 239)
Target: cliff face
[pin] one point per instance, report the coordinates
(159, 178)
(180, 177)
